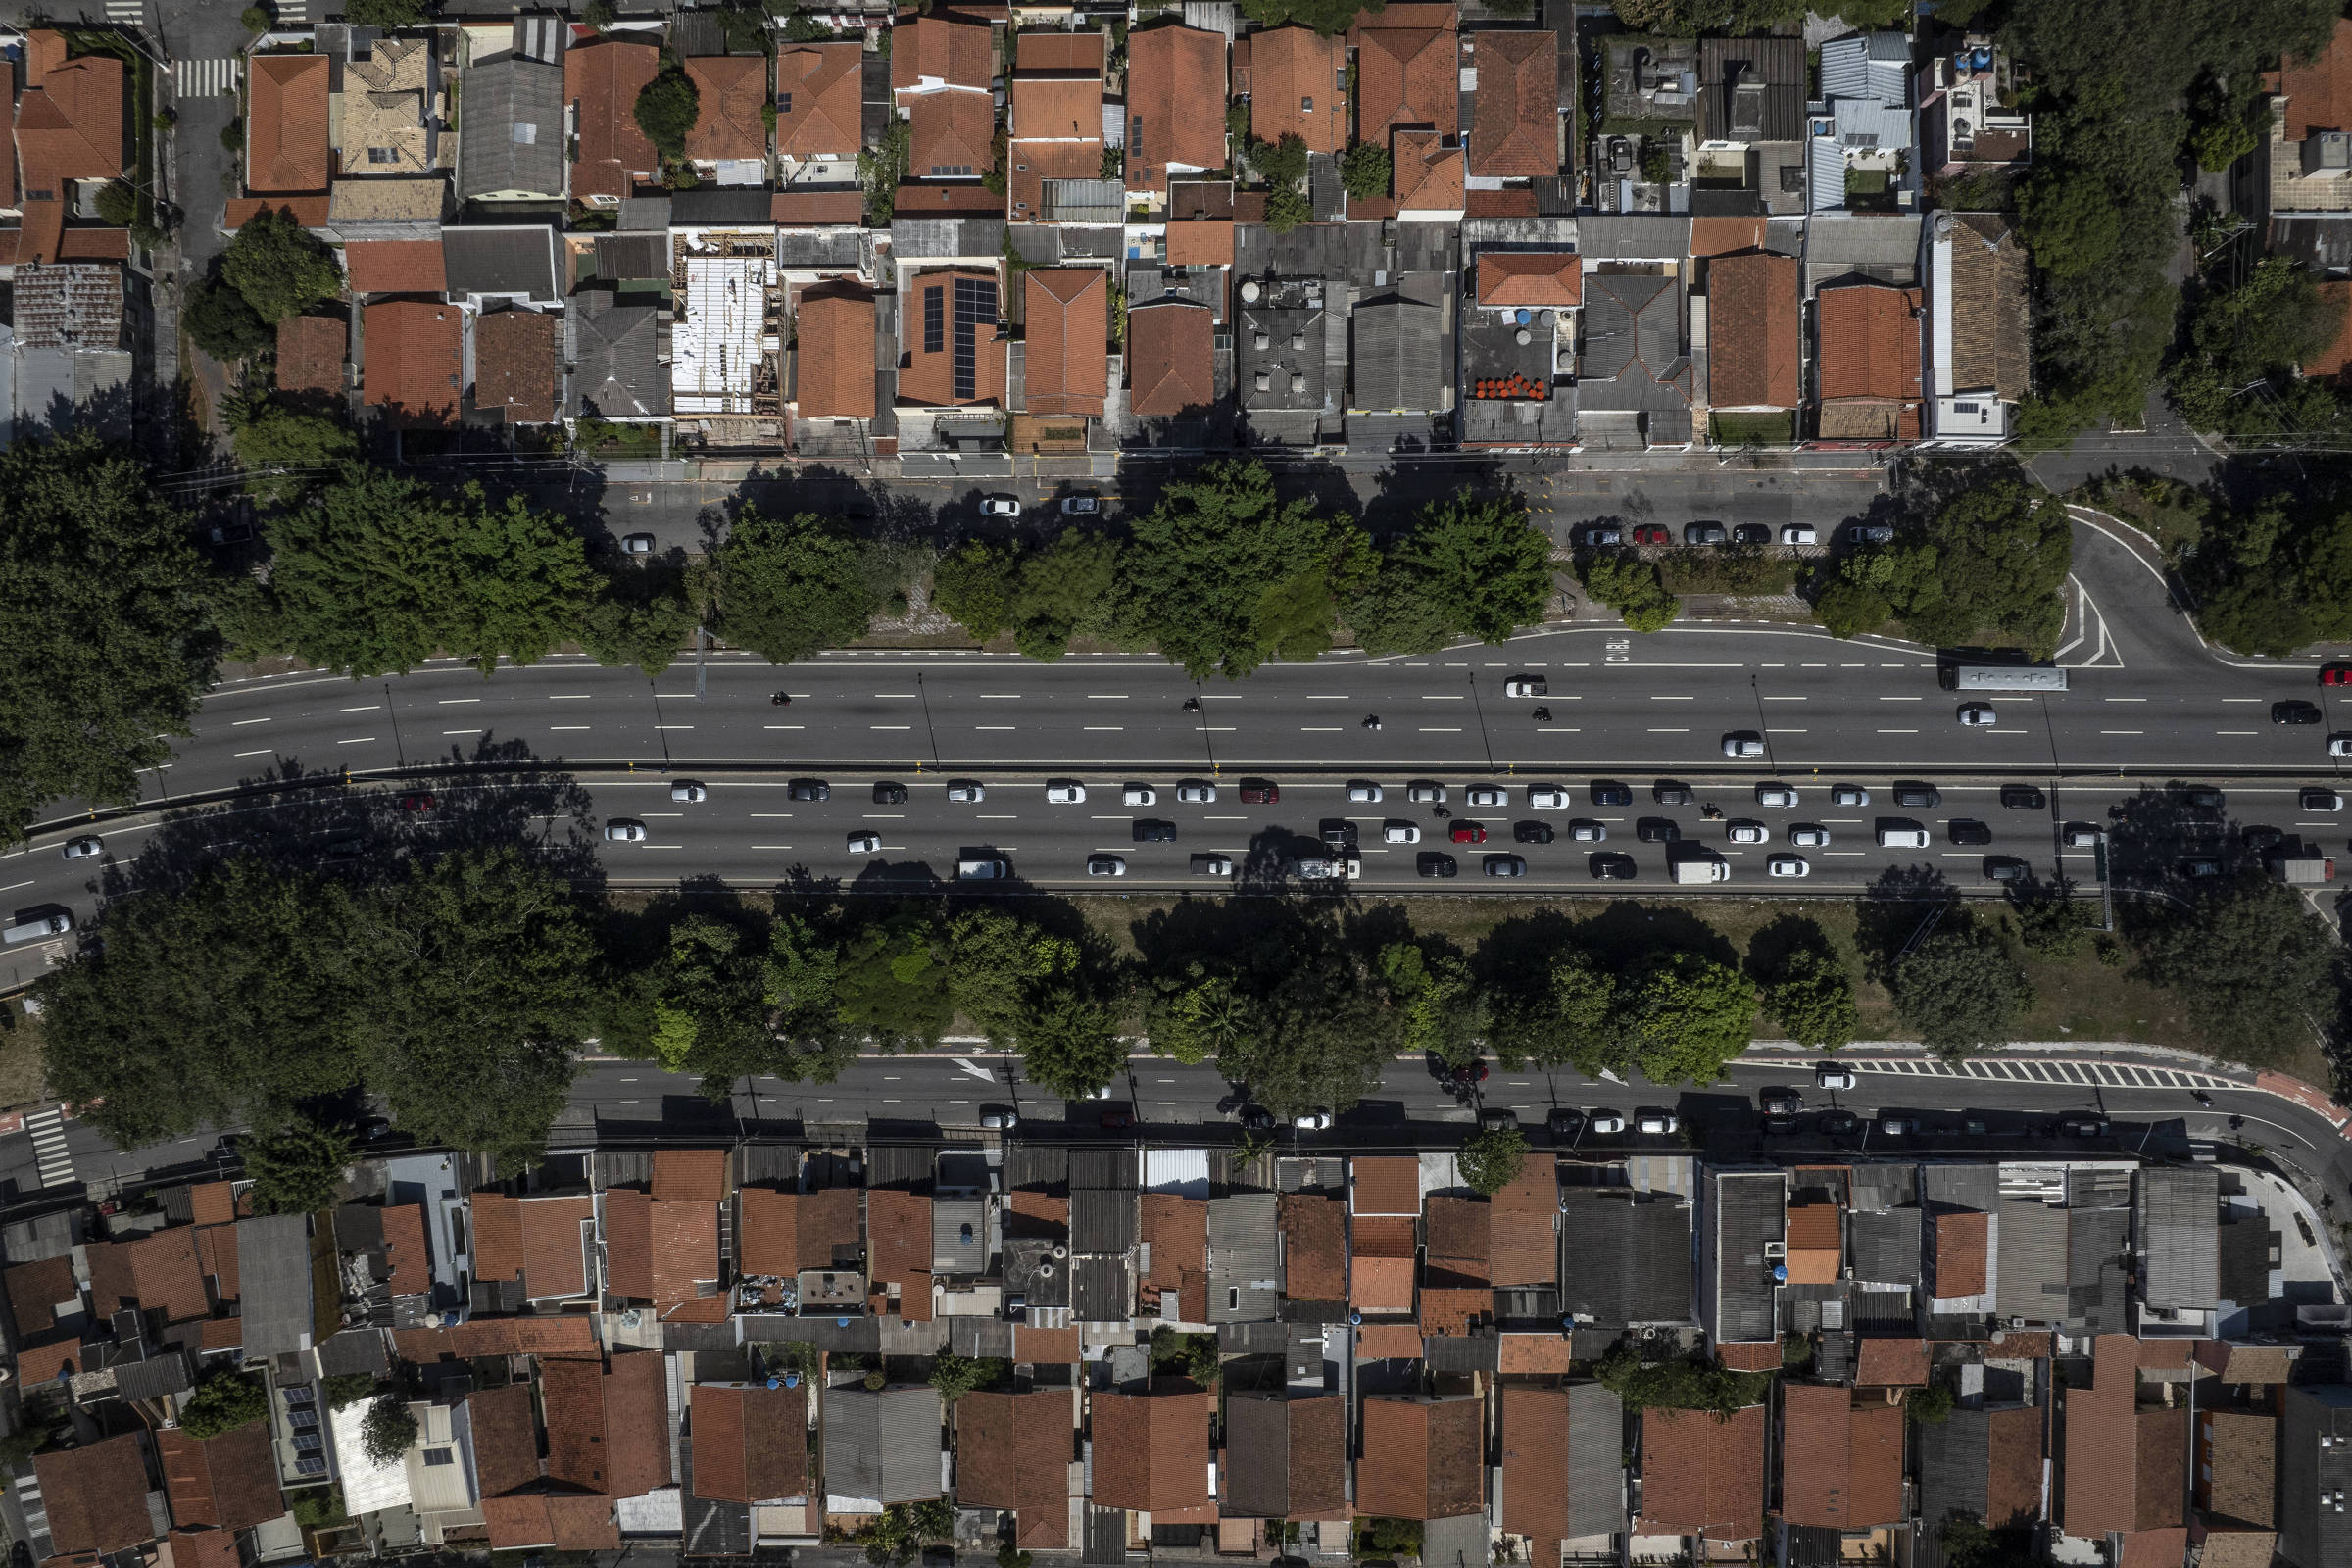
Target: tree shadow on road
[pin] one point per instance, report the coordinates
(1895, 908)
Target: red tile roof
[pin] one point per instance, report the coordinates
(37, 1290)
(1171, 361)
(1152, 1450)
(607, 1431)
(817, 209)
(1175, 75)
(1385, 1184)
(216, 1203)
(1758, 1355)
(821, 85)
(950, 130)
(1390, 1342)
(1056, 116)
(229, 1482)
(515, 361)
(1455, 1311)
(1720, 236)
(1816, 1244)
(1176, 1230)
(309, 359)
(1037, 1215)
(1534, 1354)
(1068, 324)
(1523, 1244)
(396, 266)
(751, 1444)
(1422, 1458)
(414, 357)
(1458, 1230)
(204, 1549)
(163, 1266)
(1851, 1473)
(1200, 242)
(783, 1233)
(1959, 1253)
(1512, 201)
(1407, 72)
(927, 376)
(566, 1523)
(2318, 89)
(690, 1175)
(1891, 1363)
(1535, 1461)
(1013, 1450)
(657, 1252)
(1753, 332)
(69, 126)
(2123, 1469)
(1517, 133)
(733, 87)
(1868, 354)
(113, 1286)
(2013, 1466)
(37, 1364)
(285, 122)
(1704, 1476)
(1036, 162)
(1046, 1347)
(835, 374)
(96, 1495)
(1381, 1284)
(898, 1228)
(940, 51)
(571, 1394)
(1297, 77)
(506, 1439)
(602, 79)
(1425, 172)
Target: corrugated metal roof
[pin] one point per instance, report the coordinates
(882, 1445)
(634, 257)
(1397, 342)
(515, 141)
(273, 1269)
(1885, 1247)
(2179, 1260)
(1748, 1211)
(1102, 1223)
(2094, 1268)
(1871, 66)
(1632, 1259)
(1245, 1269)
(1596, 1460)
(516, 260)
(1183, 1172)
(1101, 1291)
(2032, 1278)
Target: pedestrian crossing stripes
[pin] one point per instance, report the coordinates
(204, 79)
(292, 13)
(47, 1130)
(129, 12)
(2045, 1070)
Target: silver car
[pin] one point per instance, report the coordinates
(1424, 792)
(1488, 795)
(1197, 792)
(88, 846)
(966, 791)
(1584, 830)
(687, 792)
(1774, 795)
(865, 843)
(622, 830)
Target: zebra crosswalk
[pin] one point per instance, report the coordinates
(204, 79)
(2047, 1070)
(126, 13)
(47, 1130)
(293, 12)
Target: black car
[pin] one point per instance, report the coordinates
(1916, 795)
(2006, 868)
(809, 789)
(1968, 830)
(1338, 831)
(2024, 798)
(1532, 832)
(1658, 830)
(1436, 864)
(1751, 533)
(2083, 1126)
(2294, 713)
(1780, 1124)
(2259, 839)
(1608, 792)
(1257, 1118)
(1564, 1122)
(890, 795)
(1504, 865)
(1702, 533)
(2204, 797)
(1149, 831)
(1780, 1101)
(1613, 867)
(1668, 792)
(1838, 1124)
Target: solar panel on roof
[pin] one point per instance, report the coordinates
(975, 302)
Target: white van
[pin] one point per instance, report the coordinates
(1899, 833)
(39, 928)
(981, 870)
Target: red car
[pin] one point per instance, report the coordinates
(2336, 674)
(1260, 792)
(1118, 1120)
(1469, 833)
(420, 801)
(1653, 533)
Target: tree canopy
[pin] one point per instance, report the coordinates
(1961, 990)
(218, 321)
(1469, 567)
(667, 109)
(105, 646)
(224, 1402)
(1492, 1159)
(1985, 569)
(295, 1167)
(1631, 586)
(280, 268)
(791, 587)
(285, 450)
(2241, 371)
(1366, 171)
(2256, 969)
(1812, 996)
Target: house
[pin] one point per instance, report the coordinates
(2125, 1463)
(1562, 1470)
(1850, 1475)
(95, 1497)
(487, 264)
(939, 79)
(1750, 91)
(661, 1241)
(524, 159)
(2078, 1246)
(1171, 361)
(227, 1482)
(1701, 1475)
(1517, 132)
(273, 1270)
(1634, 372)
(69, 126)
(287, 148)
(1868, 362)
(730, 138)
(818, 109)
(1066, 352)
(1421, 1457)
(1245, 1269)
(533, 1249)
(1397, 341)
(1634, 1257)
(2315, 1462)
(391, 113)
(1285, 1456)
(1980, 328)
(1969, 121)
(1056, 128)
(1314, 1247)
(2309, 152)
(396, 266)
(1755, 345)
(1426, 176)
(602, 79)
(882, 1445)
(1743, 1237)
(608, 1422)
(2235, 1474)
(834, 365)
(1408, 74)
(1859, 155)
(1299, 88)
(412, 365)
(2175, 1233)
(611, 341)
(1280, 364)
(750, 1443)
(898, 1228)
(1984, 1463)
(780, 1233)
(1174, 74)
(1152, 1453)
(722, 365)
(1013, 1453)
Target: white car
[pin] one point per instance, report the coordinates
(1797, 534)
(1360, 792)
(1424, 792)
(1106, 865)
(2340, 746)
(2083, 836)
(1849, 795)
(1139, 794)
(624, 831)
(1659, 1121)
(637, 544)
(1064, 792)
(1488, 795)
(1525, 686)
(1977, 715)
(1584, 830)
(688, 793)
(88, 846)
(1774, 795)
(866, 844)
(1000, 507)
(1546, 797)
(1400, 833)
(1081, 505)
(1743, 742)
(1313, 1121)
(1747, 830)
(1213, 865)
(1605, 1121)
(967, 792)
(1197, 792)
(1809, 836)
(1789, 866)
(1828, 1075)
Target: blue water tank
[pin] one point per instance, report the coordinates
(772, 1383)
(792, 1380)
(1524, 317)
(1780, 1272)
